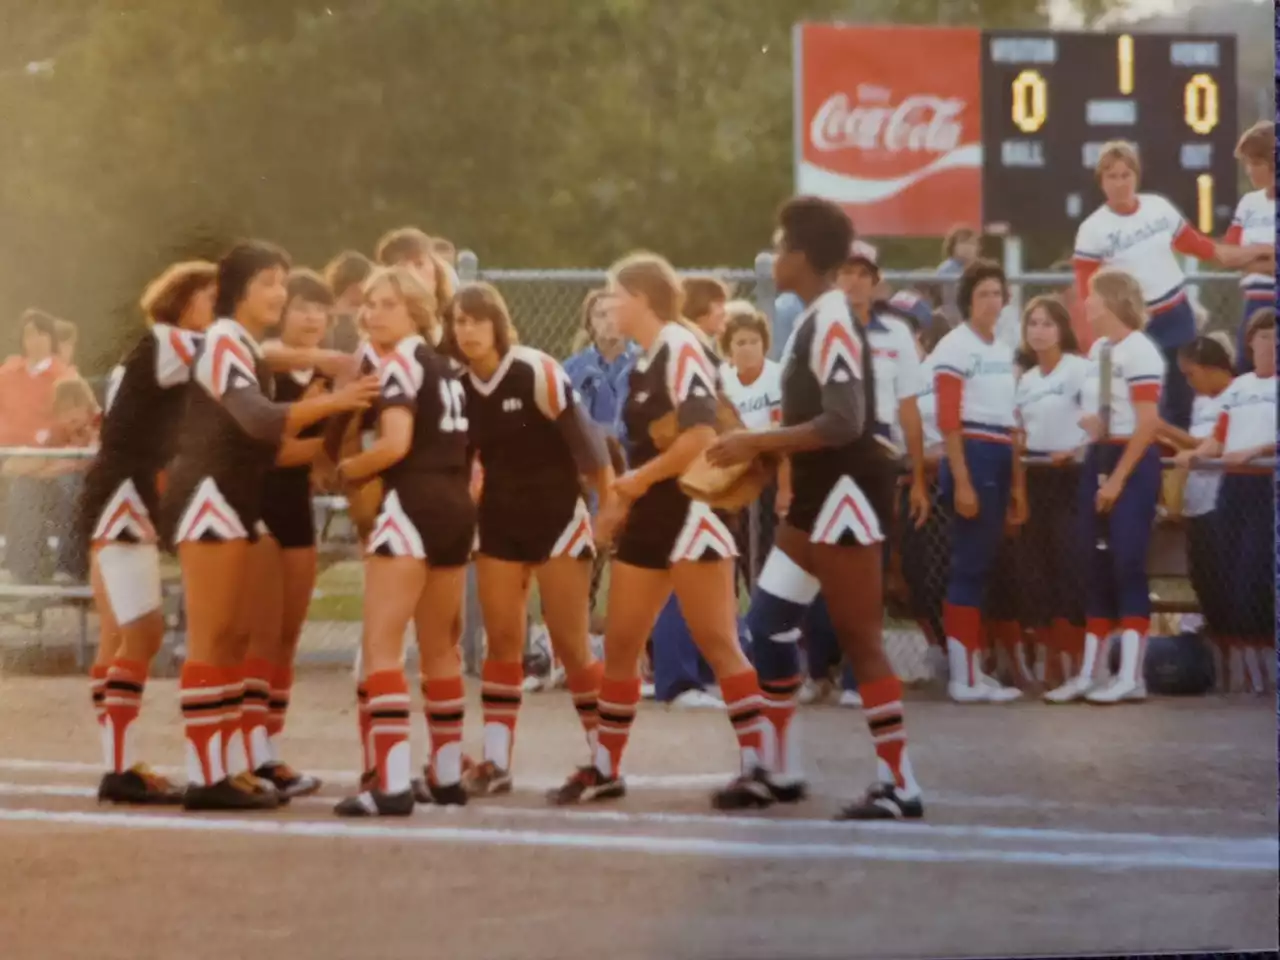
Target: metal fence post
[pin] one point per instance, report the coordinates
(765, 293)
(468, 266)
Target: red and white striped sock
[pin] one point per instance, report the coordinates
(389, 712)
(500, 696)
(203, 692)
(445, 704)
(882, 706)
(618, 702)
(584, 684)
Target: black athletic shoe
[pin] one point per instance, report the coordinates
(486, 779)
(138, 786)
(787, 792)
(241, 792)
(747, 791)
(422, 791)
(883, 802)
(375, 803)
(587, 785)
(452, 795)
(289, 783)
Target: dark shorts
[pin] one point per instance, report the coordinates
(436, 522)
(540, 530)
(665, 527)
(845, 512)
(291, 522)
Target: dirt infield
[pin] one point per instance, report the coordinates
(1064, 830)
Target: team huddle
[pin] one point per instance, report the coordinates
(454, 445)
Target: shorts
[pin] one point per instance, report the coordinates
(437, 523)
(848, 512)
(535, 535)
(290, 521)
(665, 527)
(205, 515)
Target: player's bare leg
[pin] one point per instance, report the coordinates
(392, 589)
(438, 619)
(119, 676)
(708, 603)
(213, 577)
(564, 584)
(503, 588)
(278, 595)
(636, 597)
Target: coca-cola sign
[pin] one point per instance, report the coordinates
(889, 125)
(917, 123)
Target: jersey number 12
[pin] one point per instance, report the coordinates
(453, 418)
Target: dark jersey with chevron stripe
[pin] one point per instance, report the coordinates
(429, 385)
(828, 348)
(146, 397)
(227, 441)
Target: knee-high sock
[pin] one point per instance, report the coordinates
(258, 674)
(618, 702)
(500, 696)
(204, 693)
(882, 706)
(445, 703)
(584, 684)
(388, 700)
(122, 700)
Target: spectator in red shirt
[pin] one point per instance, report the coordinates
(26, 383)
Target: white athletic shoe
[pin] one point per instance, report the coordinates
(851, 699)
(814, 691)
(1120, 690)
(697, 700)
(1074, 689)
(986, 690)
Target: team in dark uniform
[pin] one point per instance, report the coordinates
(418, 549)
(117, 514)
(833, 535)
(536, 445)
(231, 434)
(666, 541)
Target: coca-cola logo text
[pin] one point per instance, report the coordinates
(920, 123)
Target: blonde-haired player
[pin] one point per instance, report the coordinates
(1139, 234)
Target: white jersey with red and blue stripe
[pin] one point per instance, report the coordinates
(897, 370)
(1255, 222)
(975, 384)
(1200, 492)
(1048, 405)
(1137, 375)
(927, 403)
(1141, 243)
(1248, 417)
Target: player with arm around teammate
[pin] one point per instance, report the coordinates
(117, 514)
(417, 552)
(232, 432)
(282, 572)
(1119, 489)
(1139, 233)
(842, 497)
(536, 443)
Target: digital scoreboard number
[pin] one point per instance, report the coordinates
(1051, 100)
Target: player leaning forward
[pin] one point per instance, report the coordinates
(832, 536)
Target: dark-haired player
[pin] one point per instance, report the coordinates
(842, 495)
(231, 434)
(535, 444)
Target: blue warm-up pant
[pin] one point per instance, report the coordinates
(1246, 515)
(1116, 544)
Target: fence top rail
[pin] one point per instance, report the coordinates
(745, 275)
(84, 453)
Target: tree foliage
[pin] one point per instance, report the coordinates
(548, 133)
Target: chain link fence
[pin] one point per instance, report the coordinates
(44, 569)
(546, 305)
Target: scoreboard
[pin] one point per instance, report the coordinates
(915, 129)
(1050, 100)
